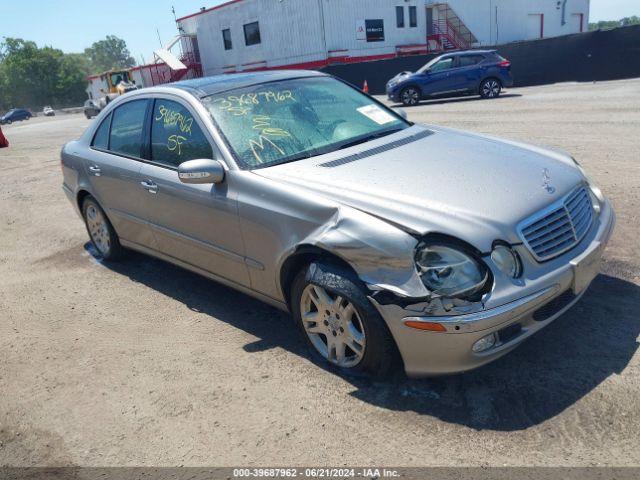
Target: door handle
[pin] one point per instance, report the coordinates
(95, 170)
(149, 186)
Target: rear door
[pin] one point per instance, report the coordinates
(113, 166)
(197, 224)
(469, 72)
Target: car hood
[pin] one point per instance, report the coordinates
(401, 77)
(429, 179)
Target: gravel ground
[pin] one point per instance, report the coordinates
(146, 364)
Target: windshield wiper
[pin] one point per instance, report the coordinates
(368, 138)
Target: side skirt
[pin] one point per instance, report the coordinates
(192, 268)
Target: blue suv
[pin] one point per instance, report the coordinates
(15, 115)
(477, 72)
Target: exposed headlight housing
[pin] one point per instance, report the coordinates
(507, 261)
(449, 272)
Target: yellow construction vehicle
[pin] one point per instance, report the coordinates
(106, 86)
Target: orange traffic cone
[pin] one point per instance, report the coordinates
(365, 87)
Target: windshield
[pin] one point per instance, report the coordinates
(280, 122)
(118, 77)
(429, 65)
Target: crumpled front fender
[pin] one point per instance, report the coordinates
(381, 254)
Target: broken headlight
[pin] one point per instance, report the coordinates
(449, 272)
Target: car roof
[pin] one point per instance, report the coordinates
(203, 87)
(469, 52)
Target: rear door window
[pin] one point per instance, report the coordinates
(470, 60)
(127, 128)
(176, 137)
(101, 138)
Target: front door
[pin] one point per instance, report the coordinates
(438, 79)
(197, 224)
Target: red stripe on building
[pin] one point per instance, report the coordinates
(316, 64)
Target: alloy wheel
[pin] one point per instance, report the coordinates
(333, 326)
(491, 89)
(410, 97)
(98, 229)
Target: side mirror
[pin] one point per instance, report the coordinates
(401, 111)
(201, 171)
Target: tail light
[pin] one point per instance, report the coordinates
(505, 63)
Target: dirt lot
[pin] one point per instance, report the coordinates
(145, 364)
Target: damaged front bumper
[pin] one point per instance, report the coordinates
(429, 353)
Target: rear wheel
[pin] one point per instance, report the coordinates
(101, 232)
(490, 88)
(339, 324)
(410, 97)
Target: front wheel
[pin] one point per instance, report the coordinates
(490, 88)
(102, 234)
(410, 97)
(339, 324)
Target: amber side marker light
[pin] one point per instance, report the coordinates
(430, 326)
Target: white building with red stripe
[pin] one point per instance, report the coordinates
(244, 35)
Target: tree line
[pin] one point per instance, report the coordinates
(608, 24)
(32, 76)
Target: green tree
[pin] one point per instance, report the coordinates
(609, 24)
(109, 53)
(34, 77)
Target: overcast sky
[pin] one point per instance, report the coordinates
(72, 25)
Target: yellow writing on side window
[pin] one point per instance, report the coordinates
(174, 142)
(172, 118)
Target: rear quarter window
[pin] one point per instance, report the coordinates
(101, 138)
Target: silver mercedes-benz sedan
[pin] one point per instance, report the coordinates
(390, 243)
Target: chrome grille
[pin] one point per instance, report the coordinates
(559, 227)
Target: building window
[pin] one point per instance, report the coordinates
(413, 17)
(400, 17)
(226, 36)
(252, 34)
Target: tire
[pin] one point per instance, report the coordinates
(9, 122)
(102, 234)
(410, 96)
(490, 88)
(87, 115)
(374, 351)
